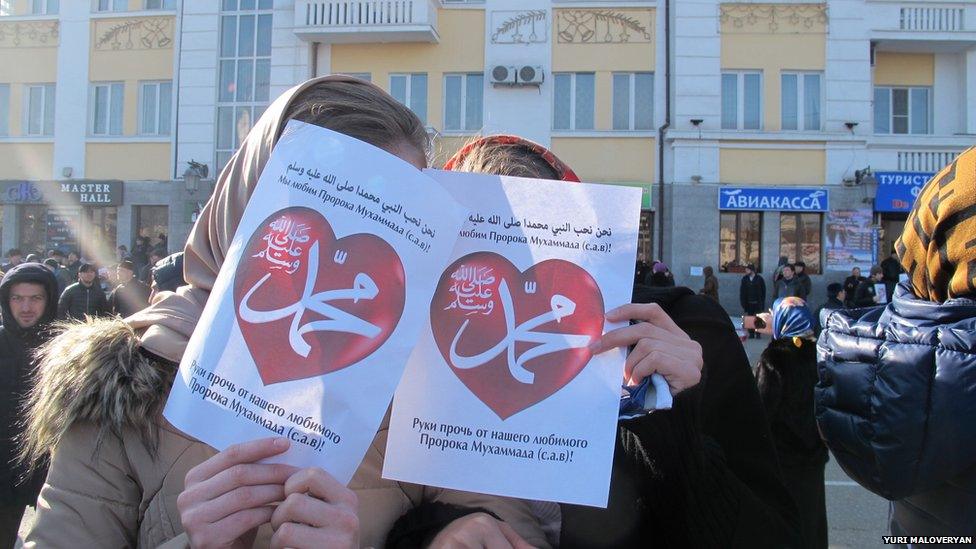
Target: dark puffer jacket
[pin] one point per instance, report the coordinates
(896, 404)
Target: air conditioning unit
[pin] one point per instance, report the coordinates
(503, 75)
(530, 75)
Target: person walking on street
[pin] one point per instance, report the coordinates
(850, 286)
(836, 297)
(752, 295)
(28, 303)
(131, 295)
(804, 284)
(710, 289)
(895, 400)
(866, 294)
(787, 285)
(786, 375)
(83, 298)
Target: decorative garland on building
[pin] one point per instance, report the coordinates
(509, 31)
(123, 36)
(600, 27)
(774, 15)
(38, 33)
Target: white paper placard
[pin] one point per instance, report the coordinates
(318, 303)
(502, 395)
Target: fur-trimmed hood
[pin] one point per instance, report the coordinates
(94, 371)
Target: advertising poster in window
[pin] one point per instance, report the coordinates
(503, 383)
(852, 240)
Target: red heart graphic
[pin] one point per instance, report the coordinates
(515, 338)
(309, 304)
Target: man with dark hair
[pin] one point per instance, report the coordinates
(83, 298)
(28, 302)
(891, 271)
(787, 285)
(836, 296)
(850, 286)
(866, 295)
(752, 295)
(803, 282)
(167, 274)
(145, 275)
(130, 295)
(73, 264)
(14, 257)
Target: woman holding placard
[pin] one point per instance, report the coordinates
(702, 474)
(121, 476)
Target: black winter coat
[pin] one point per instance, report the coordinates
(129, 298)
(752, 294)
(850, 288)
(79, 300)
(865, 293)
(703, 474)
(16, 377)
(786, 376)
(803, 286)
(896, 403)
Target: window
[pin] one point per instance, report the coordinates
(4, 109)
(411, 90)
(740, 236)
(151, 221)
(155, 107)
(902, 110)
(44, 7)
(160, 4)
(741, 100)
(106, 112)
(799, 239)
(801, 93)
(111, 5)
(244, 71)
(360, 75)
(645, 234)
(633, 101)
(573, 101)
(463, 100)
(40, 109)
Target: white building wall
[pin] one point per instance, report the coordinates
(290, 56)
(947, 101)
(71, 90)
(526, 111)
(197, 94)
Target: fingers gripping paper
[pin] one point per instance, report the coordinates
(502, 394)
(318, 303)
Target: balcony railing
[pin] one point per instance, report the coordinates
(360, 21)
(928, 19)
(924, 161)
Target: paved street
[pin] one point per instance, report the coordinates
(857, 518)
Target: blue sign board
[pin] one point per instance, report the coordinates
(777, 199)
(897, 190)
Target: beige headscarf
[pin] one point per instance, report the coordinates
(166, 325)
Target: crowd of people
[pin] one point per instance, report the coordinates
(737, 461)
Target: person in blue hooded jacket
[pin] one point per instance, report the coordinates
(896, 399)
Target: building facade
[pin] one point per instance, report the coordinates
(749, 125)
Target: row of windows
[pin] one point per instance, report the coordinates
(573, 99)
(52, 7)
(740, 239)
(105, 112)
(897, 110)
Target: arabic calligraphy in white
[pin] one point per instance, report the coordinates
(336, 319)
(561, 307)
(470, 283)
(283, 250)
